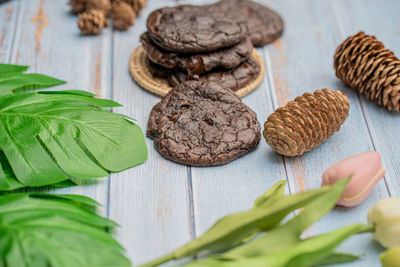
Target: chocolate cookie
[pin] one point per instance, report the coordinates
(203, 124)
(233, 79)
(196, 64)
(264, 24)
(194, 29)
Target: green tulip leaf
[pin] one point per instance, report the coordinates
(231, 230)
(303, 254)
(288, 234)
(337, 258)
(258, 238)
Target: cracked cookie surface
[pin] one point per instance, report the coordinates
(196, 64)
(194, 29)
(203, 124)
(264, 24)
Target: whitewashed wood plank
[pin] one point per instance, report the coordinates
(151, 202)
(379, 19)
(8, 25)
(49, 41)
(303, 61)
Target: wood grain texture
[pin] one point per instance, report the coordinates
(8, 27)
(151, 202)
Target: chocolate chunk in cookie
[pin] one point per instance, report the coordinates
(233, 79)
(194, 29)
(203, 124)
(264, 24)
(196, 64)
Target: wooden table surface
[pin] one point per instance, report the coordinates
(161, 205)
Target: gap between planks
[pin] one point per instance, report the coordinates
(15, 24)
(110, 96)
(191, 203)
(273, 98)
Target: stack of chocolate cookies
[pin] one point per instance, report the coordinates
(206, 53)
(233, 66)
(210, 42)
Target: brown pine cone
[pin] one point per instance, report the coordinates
(306, 122)
(123, 15)
(92, 22)
(137, 5)
(364, 64)
(77, 6)
(103, 5)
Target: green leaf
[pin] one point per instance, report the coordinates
(282, 240)
(20, 82)
(55, 231)
(304, 254)
(232, 229)
(71, 92)
(7, 68)
(54, 137)
(337, 258)
(288, 234)
(8, 181)
(66, 183)
(312, 250)
(276, 192)
(81, 201)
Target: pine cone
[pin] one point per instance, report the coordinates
(306, 122)
(137, 5)
(92, 22)
(103, 5)
(77, 6)
(364, 64)
(123, 15)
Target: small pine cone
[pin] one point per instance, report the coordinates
(137, 5)
(103, 5)
(92, 22)
(364, 64)
(77, 6)
(306, 122)
(123, 15)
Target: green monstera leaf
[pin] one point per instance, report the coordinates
(54, 137)
(56, 231)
